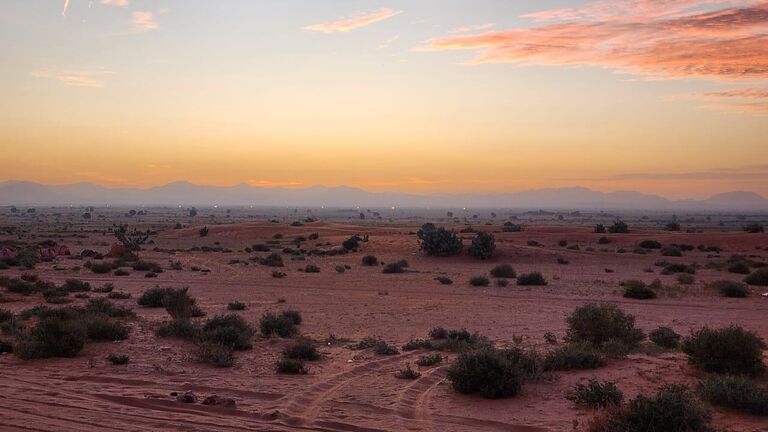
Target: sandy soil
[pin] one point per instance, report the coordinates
(353, 390)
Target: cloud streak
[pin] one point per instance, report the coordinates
(746, 100)
(91, 78)
(144, 21)
(351, 23)
(710, 39)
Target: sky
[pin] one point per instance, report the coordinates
(659, 96)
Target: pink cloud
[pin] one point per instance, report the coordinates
(91, 77)
(472, 28)
(144, 21)
(750, 100)
(118, 3)
(351, 23)
(666, 39)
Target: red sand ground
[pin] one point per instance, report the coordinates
(352, 390)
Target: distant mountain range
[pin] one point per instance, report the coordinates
(184, 193)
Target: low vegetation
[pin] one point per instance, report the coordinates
(735, 392)
(596, 394)
(730, 350)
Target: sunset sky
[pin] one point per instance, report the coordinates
(660, 96)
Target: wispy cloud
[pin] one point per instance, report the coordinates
(92, 77)
(472, 28)
(747, 100)
(273, 183)
(350, 23)
(118, 3)
(387, 43)
(714, 39)
(144, 21)
(65, 8)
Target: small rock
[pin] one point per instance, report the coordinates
(187, 397)
(164, 349)
(216, 400)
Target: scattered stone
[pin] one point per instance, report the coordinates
(187, 397)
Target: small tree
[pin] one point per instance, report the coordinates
(435, 241)
(131, 240)
(619, 227)
(204, 231)
(483, 246)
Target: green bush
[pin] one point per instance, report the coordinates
(100, 268)
(229, 330)
(236, 306)
(511, 227)
(483, 246)
(495, 374)
(291, 366)
(758, 278)
(76, 285)
(618, 227)
(479, 281)
(595, 394)
(383, 348)
(435, 241)
(429, 360)
(408, 373)
(179, 328)
(216, 354)
(271, 324)
(101, 328)
(732, 289)
(153, 297)
(665, 337)
(302, 350)
(531, 279)
(147, 266)
(178, 303)
(598, 324)
(573, 357)
(503, 271)
(52, 337)
(730, 350)
(672, 409)
(637, 290)
(735, 392)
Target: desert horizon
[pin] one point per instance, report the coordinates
(384, 215)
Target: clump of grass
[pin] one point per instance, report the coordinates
(408, 373)
(493, 373)
(598, 324)
(229, 330)
(573, 356)
(758, 278)
(395, 267)
(272, 260)
(731, 289)
(302, 350)
(596, 394)
(370, 260)
(215, 354)
(279, 325)
(236, 306)
(637, 290)
(429, 360)
(291, 366)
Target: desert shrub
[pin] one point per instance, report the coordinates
(754, 228)
(179, 328)
(153, 297)
(483, 246)
(502, 282)
(665, 337)
(100, 268)
(101, 328)
(147, 266)
(726, 350)
(444, 280)
(503, 271)
(102, 306)
(531, 279)
(677, 268)
(229, 330)
(429, 360)
(118, 359)
(302, 350)
(598, 324)
(408, 373)
(672, 226)
(562, 243)
(637, 290)
(562, 261)
(595, 394)
(351, 243)
(383, 348)
(272, 260)
(574, 356)
(121, 272)
(278, 274)
(650, 244)
(282, 326)
(493, 373)
(511, 227)
(52, 337)
(178, 303)
(76, 285)
(758, 278)
(293, 315)
(395, 267)
(311, 268)
(479, 281)
(435, 241)
(733, 289)
(603, 240)
(260, 247)
(215, 354)
(618, 227)
(236, 306)
(672, 409)
(5, 315)
(203, 231)
(533, 243)
(685, 279)
(5, 347)
(599, 229)
(739, 267)
(671, 251)
(735, 392)
(370, 260)
(291, 366)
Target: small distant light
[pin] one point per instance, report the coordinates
(393, 207)
(215, 206)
